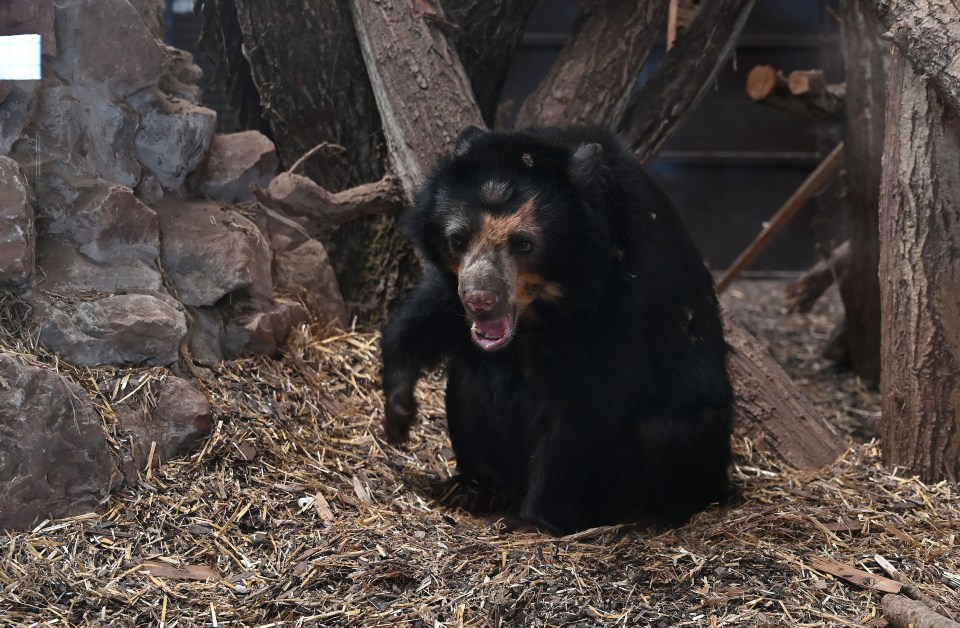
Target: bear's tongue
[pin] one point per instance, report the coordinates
(489, 335)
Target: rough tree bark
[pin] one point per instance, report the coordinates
(920, 267)
(407, 51)
(866, 62)
(771, 411)
(488, 33)
(686, 73)
(311, 80)
(590, 82)
(928, 32)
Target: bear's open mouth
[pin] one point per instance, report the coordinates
(490, 335)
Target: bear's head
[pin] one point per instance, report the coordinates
(512, 219)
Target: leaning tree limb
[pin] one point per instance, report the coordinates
(419, 83)
(686, 73)
(928, 33)
(590, 82)
(487, 36)
(810, 186)
(802, 94)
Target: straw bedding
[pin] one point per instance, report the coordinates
(296, 513)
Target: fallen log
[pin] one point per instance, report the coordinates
(771, 411)
(902, 612)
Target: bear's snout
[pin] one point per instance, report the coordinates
(480, 302)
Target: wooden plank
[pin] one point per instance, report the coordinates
(814, 183)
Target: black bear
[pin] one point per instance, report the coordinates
(587, 381)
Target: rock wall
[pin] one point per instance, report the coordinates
(120, 226)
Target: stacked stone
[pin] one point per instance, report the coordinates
(120, 225)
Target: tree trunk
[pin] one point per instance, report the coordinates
(686, 73)
(313, 86)
(306, 64)
(928, 33)
(421, 88)
(488, 33)
(866, 59)
(920, 266)
(591, 81)
(770, 409)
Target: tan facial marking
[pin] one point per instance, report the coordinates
(495, 231)
(531, 286)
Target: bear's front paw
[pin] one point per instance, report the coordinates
(399, 415)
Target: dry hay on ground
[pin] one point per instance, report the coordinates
(295, 512)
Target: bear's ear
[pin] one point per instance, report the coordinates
(466, 139)
(585, 162)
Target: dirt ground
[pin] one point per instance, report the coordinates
(296, 513)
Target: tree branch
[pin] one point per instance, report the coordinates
(928, 33)
(294, 193)
(804, 291)
(683, 78)
(590, 82)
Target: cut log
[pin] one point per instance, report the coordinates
(771, 411)
(590, 82)
(803, 292)
(902, 612)
(803, 94)
(679, 16)
(688, 71)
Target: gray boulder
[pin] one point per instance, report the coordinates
(210, 252)
(234, 162)
(54, 458)
(112, 224)
(174, 136)
(124, 329)
(106, 43)
(182, 416)
(67, 271)
(17, 239)
(306, 272)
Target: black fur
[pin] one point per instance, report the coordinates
(610, 403)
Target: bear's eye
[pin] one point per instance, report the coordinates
(522, 246)
(458, 242)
